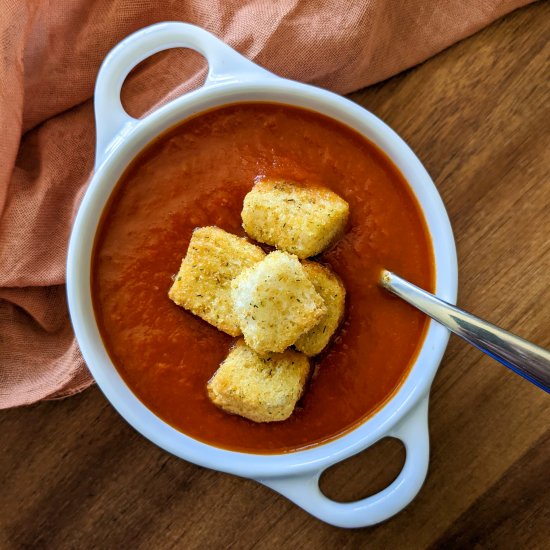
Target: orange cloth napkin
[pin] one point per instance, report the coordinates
(50, 55)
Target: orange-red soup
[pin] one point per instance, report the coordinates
(197, 174)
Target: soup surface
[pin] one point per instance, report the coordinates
(197, 174)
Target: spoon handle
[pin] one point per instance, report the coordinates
(523, 357)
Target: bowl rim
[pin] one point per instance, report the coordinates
(130, 142)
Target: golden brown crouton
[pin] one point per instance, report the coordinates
(202, 285)
(275, 303)
(263, 389)
(300, 220)
(333, 293)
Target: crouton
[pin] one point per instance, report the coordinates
(202, 284)
(333, 293)
(301, 220)
(262, 389)
(275, 303)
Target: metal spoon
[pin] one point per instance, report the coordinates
(523, 357)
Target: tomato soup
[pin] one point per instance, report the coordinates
(197, 174)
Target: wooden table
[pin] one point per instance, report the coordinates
(73, 474)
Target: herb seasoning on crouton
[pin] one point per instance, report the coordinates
(262, 389)
(301, 220)
(332, 291)
(214, 258)
(275, 303)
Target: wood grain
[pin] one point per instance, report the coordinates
(73, 474)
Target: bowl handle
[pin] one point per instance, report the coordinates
(304, 489)
(224, 65)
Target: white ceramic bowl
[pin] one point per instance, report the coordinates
(232, 78)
